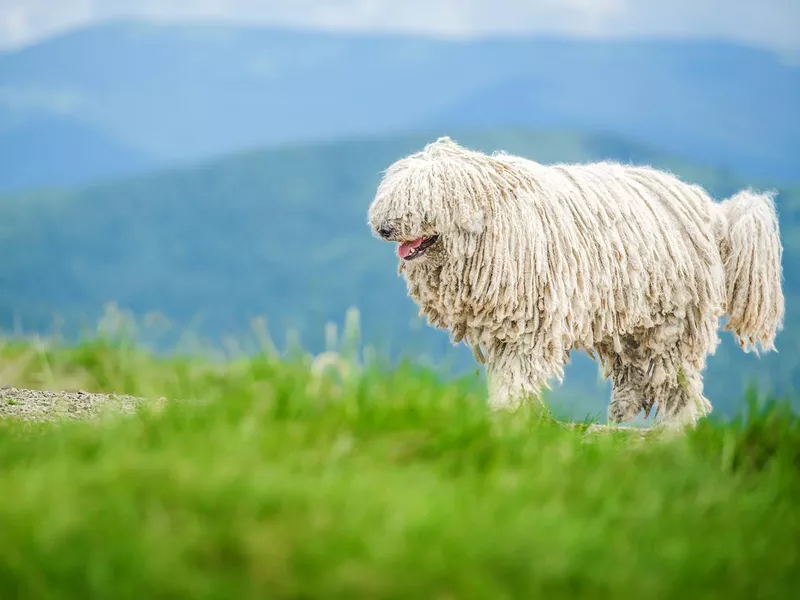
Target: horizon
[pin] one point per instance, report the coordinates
(514, 36)
(787, 59)
(23, 27)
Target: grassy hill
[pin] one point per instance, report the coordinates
(282, 234)
(182, 92)
(258, 479)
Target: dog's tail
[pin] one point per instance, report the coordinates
(751, 252)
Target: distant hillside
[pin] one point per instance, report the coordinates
(181, 92)
(693, 102)
(59, 151)
(283, 234)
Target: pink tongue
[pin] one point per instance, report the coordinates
(406, 248)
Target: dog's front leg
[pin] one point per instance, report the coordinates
(516, 377)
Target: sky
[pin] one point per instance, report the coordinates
(772, 24)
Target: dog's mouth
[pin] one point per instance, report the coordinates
(416, 248)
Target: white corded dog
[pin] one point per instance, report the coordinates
(526, 262)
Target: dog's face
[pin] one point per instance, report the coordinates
(418, 207)
(458, 217)
(423, 244)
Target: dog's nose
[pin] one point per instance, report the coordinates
(385, 231)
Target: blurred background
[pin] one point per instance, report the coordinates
(212, 161)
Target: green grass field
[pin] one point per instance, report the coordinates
(265, 481)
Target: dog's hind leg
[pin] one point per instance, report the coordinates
(678, 395)
(627, 393)
(625, 365)
(660, 367)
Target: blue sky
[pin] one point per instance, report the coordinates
(772, 24)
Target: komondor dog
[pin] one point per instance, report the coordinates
(525, 262)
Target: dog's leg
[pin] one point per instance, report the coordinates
(517, 377)
(679, 397)
(626, 364)
(675, 384)
(627, 393)
(508, 392)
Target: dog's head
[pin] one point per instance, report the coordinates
(430, 201)
(466, 217)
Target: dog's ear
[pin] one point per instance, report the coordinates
(468, 218)
(496, 233)
(459, 186)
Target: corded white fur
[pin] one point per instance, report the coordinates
(625, 262)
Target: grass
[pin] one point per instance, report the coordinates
(266, 481)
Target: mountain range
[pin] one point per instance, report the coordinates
(119, 98)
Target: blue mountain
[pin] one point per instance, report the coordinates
(736, 108)
(59, 151)
(176, 93)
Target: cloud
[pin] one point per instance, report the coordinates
(26, 21)
(768, 23)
